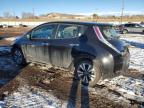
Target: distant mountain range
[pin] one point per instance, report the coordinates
(90, 15)
(108, 13)
(136, 16)
(63, 16)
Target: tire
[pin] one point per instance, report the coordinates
(18, 56)
(87, 72)
(125, 31)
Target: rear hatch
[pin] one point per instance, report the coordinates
(110, 34)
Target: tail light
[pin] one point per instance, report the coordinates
(99, 34)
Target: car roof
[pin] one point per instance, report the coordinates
(82, 23)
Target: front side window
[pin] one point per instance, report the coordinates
(132, 25)
(43, 32)
(68, 31)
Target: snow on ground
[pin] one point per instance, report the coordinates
(36, 98)
(137, 59)
(136, 49)
(12, 38)
(128, 87)
(2, 104)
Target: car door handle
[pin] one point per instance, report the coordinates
(72, 45)
(45, 44)
(32, 45)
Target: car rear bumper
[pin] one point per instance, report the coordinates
(122, 62)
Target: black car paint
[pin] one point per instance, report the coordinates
(66, 52)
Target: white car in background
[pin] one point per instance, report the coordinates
(131, 27)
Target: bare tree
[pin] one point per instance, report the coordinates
(17, 17)
(7, 15)
(27, 15)
(95, 16)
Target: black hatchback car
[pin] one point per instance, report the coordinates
(92, 50)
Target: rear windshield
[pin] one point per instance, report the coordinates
(108, 32)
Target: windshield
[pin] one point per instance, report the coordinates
(142, 25)
(109, 32)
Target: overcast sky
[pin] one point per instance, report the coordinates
(85, 7)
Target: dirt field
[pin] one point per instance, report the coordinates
(98, 19)
(14, 31)
(11, 32)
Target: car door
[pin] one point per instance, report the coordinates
(128, 27)
(138, 28)
(133, 28)
(37, 47)
(67, 38)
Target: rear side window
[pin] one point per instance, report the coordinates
(44, 32)
(108, 32)
(127, 25)
(132, 25)
(68, 31)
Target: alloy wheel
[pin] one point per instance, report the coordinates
(86, 73)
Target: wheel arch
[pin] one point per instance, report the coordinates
(81, 56)
(15, 46)
(91, 60)
(125, 30)
(84, 56)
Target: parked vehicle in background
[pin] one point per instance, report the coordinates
(131, 27)
(7, 26)
(22, 25)
(92, 50)
(10, 26)
(142, 23)
(1, 26)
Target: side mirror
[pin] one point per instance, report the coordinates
(28, 36)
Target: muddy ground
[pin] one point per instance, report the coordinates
(61, 83)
